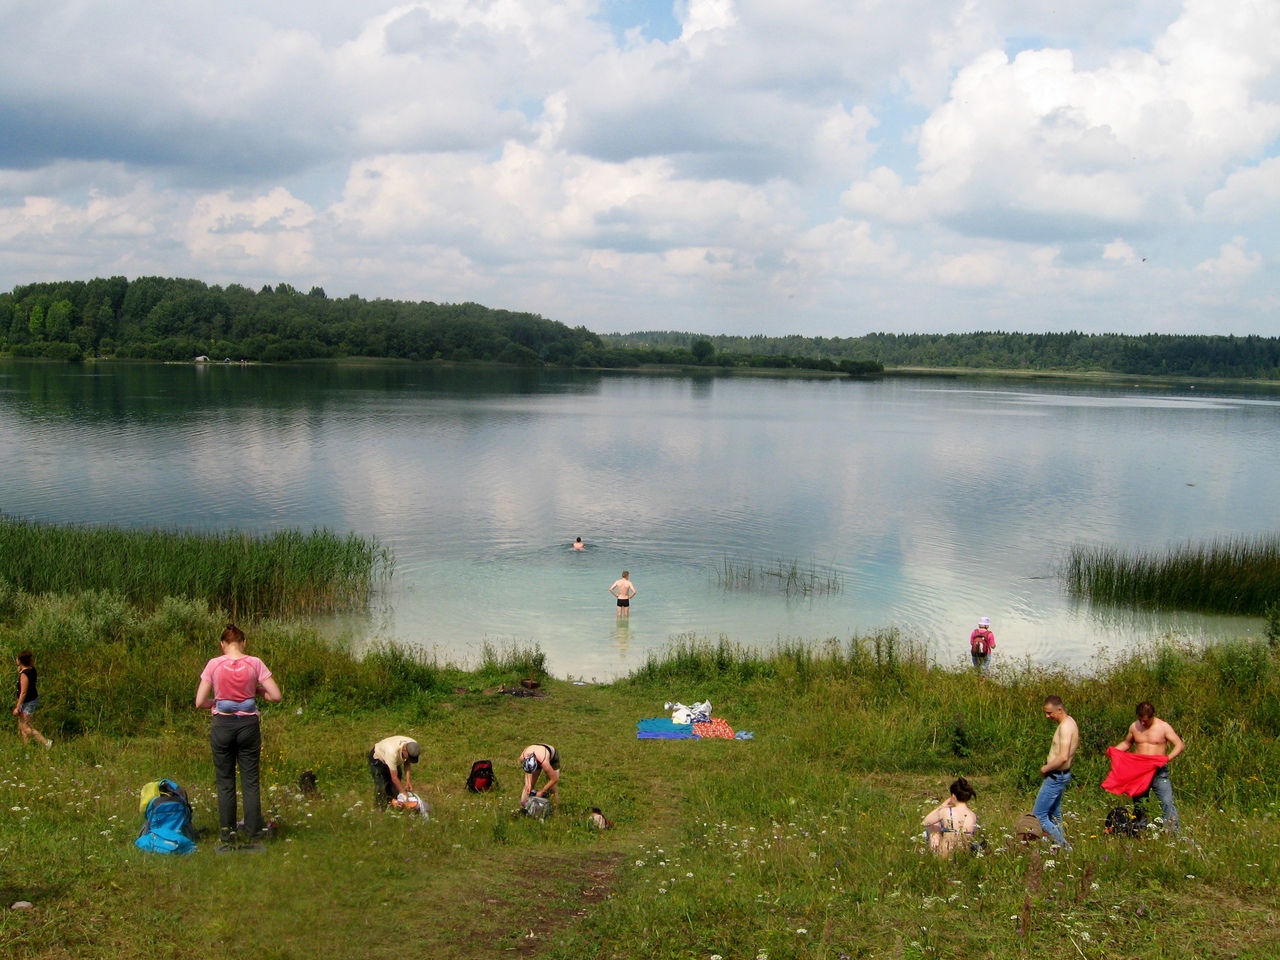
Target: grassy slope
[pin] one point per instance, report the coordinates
(810, 827)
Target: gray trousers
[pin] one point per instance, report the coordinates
(237, 742)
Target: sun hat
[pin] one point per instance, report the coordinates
(984, 622)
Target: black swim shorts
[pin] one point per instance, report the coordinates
(624, 603)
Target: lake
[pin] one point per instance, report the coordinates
(916, 503)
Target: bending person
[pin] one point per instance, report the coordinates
(391, 764)
(230, 686)
(951, 825)
(535, 760)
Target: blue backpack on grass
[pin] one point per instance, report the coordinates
(166, 819)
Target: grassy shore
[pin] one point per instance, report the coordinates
(249, 575)
(800, 843)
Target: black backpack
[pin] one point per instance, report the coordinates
(1122, 823)
(481, 778)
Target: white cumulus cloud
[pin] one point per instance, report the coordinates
(820, 166)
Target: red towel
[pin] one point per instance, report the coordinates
(716, 728)
(1131, 773)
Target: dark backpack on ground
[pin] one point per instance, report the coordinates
(166, 822)
(481, 778)
(1121, 822)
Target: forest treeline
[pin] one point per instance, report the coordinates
(160, 318)
(1172, 355)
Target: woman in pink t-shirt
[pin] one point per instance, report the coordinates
(230, 686)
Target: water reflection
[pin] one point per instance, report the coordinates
(934, 501)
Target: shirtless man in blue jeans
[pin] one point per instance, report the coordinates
(1056, 770)
(1151, 735)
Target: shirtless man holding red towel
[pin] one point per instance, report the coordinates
(1151, 736)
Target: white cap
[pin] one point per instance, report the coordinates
(984, 622)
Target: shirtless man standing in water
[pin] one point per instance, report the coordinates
(623, 590)
(1056, 770)
(1151, 735)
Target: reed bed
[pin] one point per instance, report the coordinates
(287, 573)
(690, 659)
(1235, 575)
(781, 576)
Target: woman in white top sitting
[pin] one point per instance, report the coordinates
(951, 825)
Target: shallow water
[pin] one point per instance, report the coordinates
(931, 501)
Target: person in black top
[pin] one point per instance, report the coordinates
(28, 699)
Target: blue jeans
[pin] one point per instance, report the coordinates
(1048, 808)
(1162, 787)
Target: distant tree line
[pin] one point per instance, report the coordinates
(1249, 357)
(160, 318)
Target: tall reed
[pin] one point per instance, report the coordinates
(1236, 575)
(781, 576)
(276, 574)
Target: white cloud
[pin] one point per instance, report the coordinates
(1033, 146)
(1252, 193)
(704, 16)
(269, 231)
(1232, 265)
(1121, 252)
(813, 166)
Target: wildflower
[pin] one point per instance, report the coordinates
(801, 930)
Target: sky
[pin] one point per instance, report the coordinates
(814, 167)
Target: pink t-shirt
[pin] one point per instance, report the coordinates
(235, 679)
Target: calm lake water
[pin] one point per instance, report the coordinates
(932, 502)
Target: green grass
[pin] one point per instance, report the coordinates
(789, 577)
(277, 574)
(721, 848)
(1239, 575)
